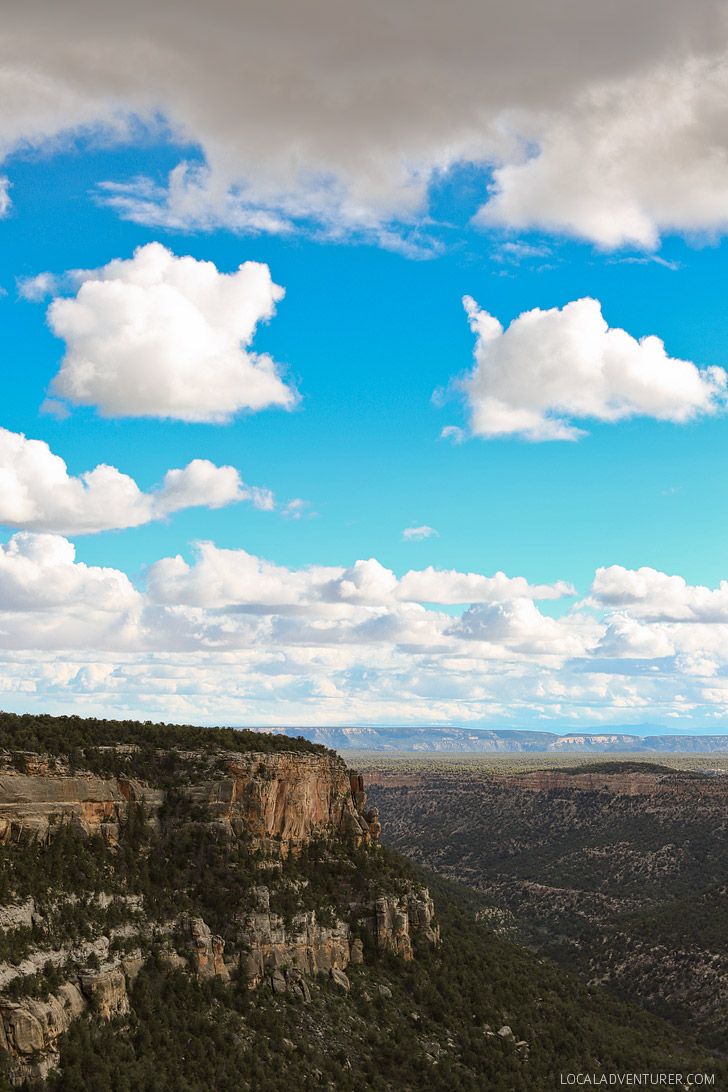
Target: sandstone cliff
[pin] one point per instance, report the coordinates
(266, 806)
(281, 800)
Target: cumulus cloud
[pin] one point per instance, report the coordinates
(234, 578)
(40, 572)
(518, 625)
(233, 637)
(649, 594)
(160, 336)
(552, 367)
(415, 533)
(627, 637)
(317, 137)
(38, 493)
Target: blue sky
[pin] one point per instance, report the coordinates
(612, 540)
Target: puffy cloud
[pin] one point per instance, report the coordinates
(235, 578)
(39, 572)
(648, 593)
(626, 637)
(239, 639)
(37, 492)
(416, 533)
(160, 336)
(551, 367)
(518, 625)
(201, 483)
(318, 135)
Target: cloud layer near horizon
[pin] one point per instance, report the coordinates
(235, 638)
(345, 114)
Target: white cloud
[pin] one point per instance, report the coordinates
(650, 594)
(235, 578)
(318, 136)
(626, 637)
(39, 572)
(5, 201)
(239, 639)
(161, 336)
(37, 492)
(38, 287)
(519, 626)
(552, 367)
(415, 533)
(449, 586)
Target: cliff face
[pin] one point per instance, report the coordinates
(282, 800)
(30, 1028)
(286, 800)
(267, 806)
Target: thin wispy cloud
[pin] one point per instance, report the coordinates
(419, 531)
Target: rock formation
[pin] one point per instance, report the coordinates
(30, 1028)
(277, 803)
(281, 800)
(305, 944)
(396, 919)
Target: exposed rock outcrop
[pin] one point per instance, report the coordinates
(304, 944)
(207, 950)
(106, 991)
(30, 1029)
(396, 919)
(284, 800)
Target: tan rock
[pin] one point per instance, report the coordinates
(357, 951)
(306, 945)
(340, 979)
(23, 1029)
(207, 950)
(106, 992)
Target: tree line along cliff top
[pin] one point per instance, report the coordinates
(62, 735)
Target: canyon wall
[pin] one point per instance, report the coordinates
(274, 803)
(282, 800)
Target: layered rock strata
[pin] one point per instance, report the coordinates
(282, 801)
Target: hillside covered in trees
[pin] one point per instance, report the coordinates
(231, 922)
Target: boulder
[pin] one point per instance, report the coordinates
(278, 982)
(340, 979)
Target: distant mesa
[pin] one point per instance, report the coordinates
(505, 740)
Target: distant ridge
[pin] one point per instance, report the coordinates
(474, 739)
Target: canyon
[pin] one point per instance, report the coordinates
(615, 870)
